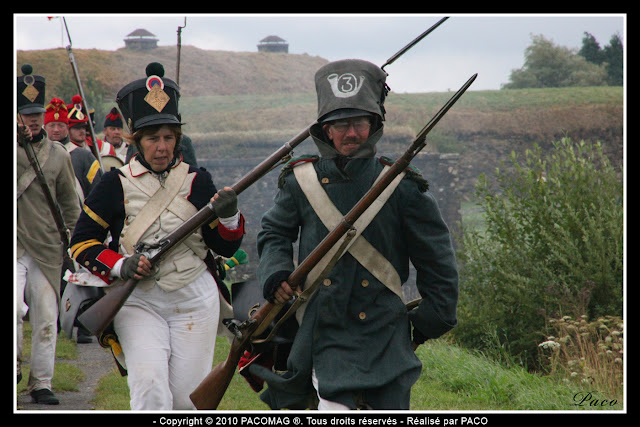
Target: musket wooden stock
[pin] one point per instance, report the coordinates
(210, 391)
(97, 317)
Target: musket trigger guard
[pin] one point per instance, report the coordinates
(236, 327)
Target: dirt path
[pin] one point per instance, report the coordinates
(95, 362)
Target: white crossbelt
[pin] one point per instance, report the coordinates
(161, 198)
(27, 177)
(367, 255)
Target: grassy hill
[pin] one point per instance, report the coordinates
(521, 115)
(202, 72)
(260, 100)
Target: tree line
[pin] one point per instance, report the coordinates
(548, 65)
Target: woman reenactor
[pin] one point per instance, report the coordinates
(167, 327)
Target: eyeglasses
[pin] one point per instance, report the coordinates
(360, 125)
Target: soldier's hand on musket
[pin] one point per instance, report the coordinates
(283, 293)
(226, 203)
(136, 267)
(24, 132)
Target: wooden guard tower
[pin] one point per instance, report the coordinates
(273, 44)
(141, 39)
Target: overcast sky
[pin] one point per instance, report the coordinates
(490, 45)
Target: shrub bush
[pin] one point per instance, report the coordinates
(553, 245)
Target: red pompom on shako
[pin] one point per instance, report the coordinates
(77, 116)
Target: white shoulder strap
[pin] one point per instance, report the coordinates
(162, 198)
(360, 248)
(25, 180)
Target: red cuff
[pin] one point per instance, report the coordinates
(231, 235)
(107, 258)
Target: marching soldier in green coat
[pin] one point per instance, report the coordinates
(355, 343)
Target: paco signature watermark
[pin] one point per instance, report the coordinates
(586, 398)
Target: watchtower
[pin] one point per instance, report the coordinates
(141, 39)
(273, 44)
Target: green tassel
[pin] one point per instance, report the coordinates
(240, 257)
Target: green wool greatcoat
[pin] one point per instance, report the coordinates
(356, 333)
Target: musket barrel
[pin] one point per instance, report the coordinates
(98, 316)
(94, 148)
(209, 392)
(352, 216)
(413, 42)
(266, 165)
(446, 107)
(63, 231)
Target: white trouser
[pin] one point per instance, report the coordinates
(323, 404)
(35, 294)
(168, 339)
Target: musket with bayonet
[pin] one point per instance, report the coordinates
(98, 317)
(74, 67)
(211, 390)
(413, 43)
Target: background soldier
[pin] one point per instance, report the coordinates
(85, 165)
(56, 122)
(39, 246)
(87, 172)
(112, 130)
(79, 128)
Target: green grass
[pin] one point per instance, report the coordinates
(283, 111)
(457, 379)
(66, 377)
(452, 379)
(509, 99)
(481, 101)
(112, 392)
(241, 103)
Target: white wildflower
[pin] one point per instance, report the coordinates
(550, 345)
